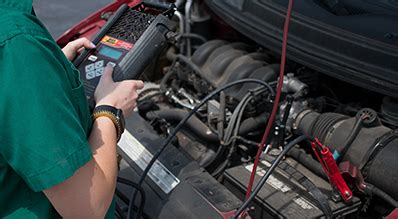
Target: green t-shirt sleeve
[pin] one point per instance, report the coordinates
(42, 108)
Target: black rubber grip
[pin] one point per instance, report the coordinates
(148, 47)
(101, 33)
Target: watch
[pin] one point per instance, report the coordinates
(116, 115)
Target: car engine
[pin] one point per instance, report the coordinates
(211, 157)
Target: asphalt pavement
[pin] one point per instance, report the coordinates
(59, 15)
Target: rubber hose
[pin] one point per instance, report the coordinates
(252, 123)
(308, 161)
(373, 190)
(194, 124)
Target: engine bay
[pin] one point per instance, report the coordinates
(204, 171)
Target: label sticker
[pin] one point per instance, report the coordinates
(116, 43)
(303, 203)
(141, 156)
(272, 181)
(279, 185)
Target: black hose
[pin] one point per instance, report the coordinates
(252, 123)
(268, 173)
(180, 125)
(194, 123)
(307, 160)
(147, 97)
(373, 190)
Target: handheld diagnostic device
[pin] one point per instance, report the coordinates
(128, 41)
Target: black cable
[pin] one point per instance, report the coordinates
(227, 138)
(137, 188)
(194, 36)
(121, 196)
(232, 131)
(244, 140)
(119, 212)
(351, 137)
(268, 173)
(221, 117)
(167, 76)
(180, 125)
(316, 194)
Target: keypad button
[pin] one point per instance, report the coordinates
(98, 72)
(99, 64)
(89, 67)
(90, 75)
(92, 58)
(111, 64)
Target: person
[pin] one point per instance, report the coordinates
(55, 161)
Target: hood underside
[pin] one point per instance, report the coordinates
(359, 46)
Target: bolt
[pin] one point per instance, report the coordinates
(347, 193)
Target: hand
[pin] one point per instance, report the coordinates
(74, 47)
(122, 95)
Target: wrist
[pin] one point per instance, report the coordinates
(106, 103)
(112, 114)
(107, 127)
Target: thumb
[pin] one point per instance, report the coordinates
(108, 72)
(87, 43)
(79, 43)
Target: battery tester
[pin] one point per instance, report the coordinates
(128, 41)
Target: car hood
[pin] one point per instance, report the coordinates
(359, 45)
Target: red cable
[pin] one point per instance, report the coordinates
(276, 102)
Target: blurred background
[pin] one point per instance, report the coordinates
(59, 15)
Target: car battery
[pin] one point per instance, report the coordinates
(282, 196)
(176, 186)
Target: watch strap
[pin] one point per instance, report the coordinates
(114, 114)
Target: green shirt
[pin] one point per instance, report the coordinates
(45, 120)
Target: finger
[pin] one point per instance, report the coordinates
(108, 72)
(138, 84)
(80, 50)
(79, 43)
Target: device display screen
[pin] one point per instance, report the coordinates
(110, 52)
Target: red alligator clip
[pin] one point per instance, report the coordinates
(332, 171)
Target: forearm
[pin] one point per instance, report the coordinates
(103, 145)
(89, 192)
